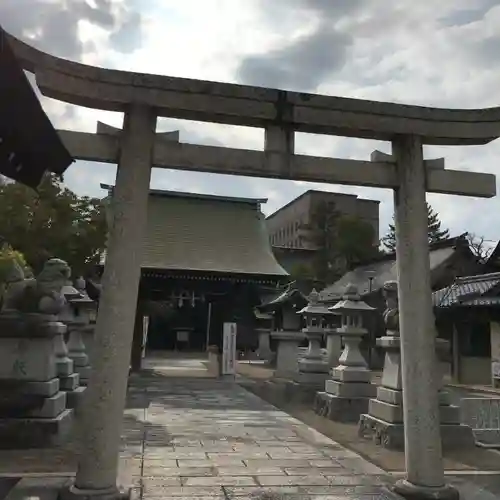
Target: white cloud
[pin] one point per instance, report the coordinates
(443, 54)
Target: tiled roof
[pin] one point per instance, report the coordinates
(468, 291)
(208, 234)
(380, 271)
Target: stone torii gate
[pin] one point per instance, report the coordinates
(142, 98)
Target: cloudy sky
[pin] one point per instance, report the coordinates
(423, 52)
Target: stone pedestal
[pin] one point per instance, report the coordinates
(87, 334)
(33, 411)
(264, 350)
(69, 380)
(333, 347)
(312, 367)
(77, 352)
(384, 420)
(214, 361)
(286, 358)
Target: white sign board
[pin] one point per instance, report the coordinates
(145, 325)
(229, 349)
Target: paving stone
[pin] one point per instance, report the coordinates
(296, 462)
(358, 480)
(238, 456)
(174, 455)
(250, 471)
(219, 481)
(179, 471)
(360, 466)
(325, 462)
(313, 471)
(211, 439)
(172, 491)
(292, 480)
(227, 461)
(151, 483)
(159, 462)
(270, 492)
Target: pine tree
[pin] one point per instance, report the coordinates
(434, 231)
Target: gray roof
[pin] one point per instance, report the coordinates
(468, 291)
(380, 271)
(291, 294)
(207, 233)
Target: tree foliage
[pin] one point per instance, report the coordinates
(8, 257)
(302, 271)
(52, 222)
(434, 231)
(341, 241)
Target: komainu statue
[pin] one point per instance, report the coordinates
(37, 295)
(391, 313)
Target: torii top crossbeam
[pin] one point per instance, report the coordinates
(243, 105)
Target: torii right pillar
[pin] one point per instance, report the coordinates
(423, 453)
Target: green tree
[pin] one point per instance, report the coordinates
(435, 233)
(356, 241)
(53, 222)
(302, 271)
(342, 242)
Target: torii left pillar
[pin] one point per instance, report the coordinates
(104, 402)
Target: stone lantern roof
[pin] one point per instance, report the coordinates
(351, 302)
(314, 306)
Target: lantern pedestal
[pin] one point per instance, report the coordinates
(76, 352)
(383, 423)
(286, 358)
(333, 347)
(69, 379)
(313, 369)
(264, 349)
(347, 394)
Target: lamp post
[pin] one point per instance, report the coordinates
(352, 308)
(346, 396)
(312, 367)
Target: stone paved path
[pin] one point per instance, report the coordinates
(202, 438)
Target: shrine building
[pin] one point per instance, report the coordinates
(205, 261)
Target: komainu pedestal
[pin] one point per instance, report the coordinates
(33, 411)
(33, 408)
(383, 422)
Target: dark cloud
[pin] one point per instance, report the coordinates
(53, 25)
(475, 12)
(304, 63)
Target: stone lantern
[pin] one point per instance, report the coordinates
(85, 312)
(313, 369)
(67, 367)
(264, 323)
(347, 394)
